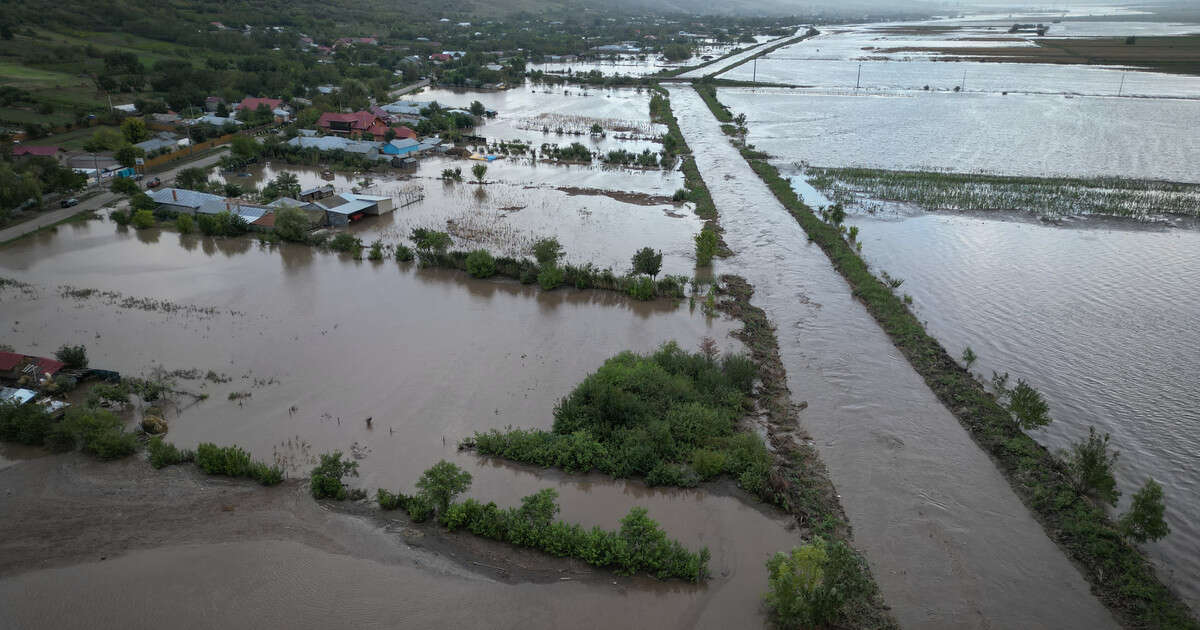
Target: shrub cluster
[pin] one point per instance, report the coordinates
(668, 417)
(326, 478)
(234, 461)
(164, 454)
(809, 587)
(640, 546)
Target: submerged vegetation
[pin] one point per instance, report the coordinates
(668, 417)
(1117, 570)
(1045, 196)
(639, 546)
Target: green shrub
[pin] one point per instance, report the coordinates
(376, 253)
(96, 432)
(550, 277)
(481, 264)
(809, 587)
(326, 478)
(75, 357)
(1144, 519)
(391, 501)
(185, 224)
(708, 463)
(647, 261)
(234, 461)
(642, 288)
(344, 243)
(1090, 465)
(292, 224)
(24, 424)
(404, 253)
(431, 240)
(547, 251)
(120, 217)
(166, 454)
(142, 219)
(706, 246)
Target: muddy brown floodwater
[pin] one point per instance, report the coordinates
(947, 539)
(320, 343)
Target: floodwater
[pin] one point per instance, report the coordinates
(1109, 336)
(845, 58)
(523, 111)
(312, 344)
(1035, 135)
(949, 543)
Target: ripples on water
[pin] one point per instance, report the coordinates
(1103, 320)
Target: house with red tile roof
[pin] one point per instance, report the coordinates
(14, 366)
(251, 103)
(359, 123)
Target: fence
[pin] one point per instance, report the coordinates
(185, 152)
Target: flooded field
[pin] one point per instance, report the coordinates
(523, 112)
(320, 343)
(846, 58)
(601, 215)
(947, 540)
(1008, 135)
(1111, 342)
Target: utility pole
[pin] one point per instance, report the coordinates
(858, 81)
(963, 85)
(1121, 88)
(755, 80)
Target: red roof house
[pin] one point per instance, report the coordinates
(356, 123)
(28, 150)
(404, 132)
(13, 365)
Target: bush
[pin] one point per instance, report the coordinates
(142, 219)
(75, 357)
(124, 186)
(809, 587)
(96, 432)
(550, 277)
(376, 252)
(1028, 406)
(441, 483)
(344, 243)
(391, 501)
(326, 478)
(120, 217)
(1089, 467)
(481, 264)
(641, 288)
(708, 463)
(431, 240)
(25, 424)
(185, 224)
(166, 454)
(233, 461)
(547, 251)
(404, 253)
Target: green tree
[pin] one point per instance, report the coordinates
(441, 483)
(291, 224)
(185, 224)
(647, 261)
(1028, 406)
(193, 178)
(142, 219)
(430, 240)
(105, 139)
(1090, 465)
(479, 171)
(128, 154)
(1144, 521)
(75, 357)
(134, 130)
(809, 587)
(706, 246)
(477, 108)
(547, 251)
(124, 186)
(142, 201)
(245, 147)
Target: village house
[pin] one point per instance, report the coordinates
(27, 151)
(28, 368)
(358, 124)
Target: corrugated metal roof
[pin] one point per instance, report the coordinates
(183, 197)
(16, 395)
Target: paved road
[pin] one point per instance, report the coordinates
(410, 88)
(94, 203)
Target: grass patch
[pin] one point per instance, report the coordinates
(1046, 196)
